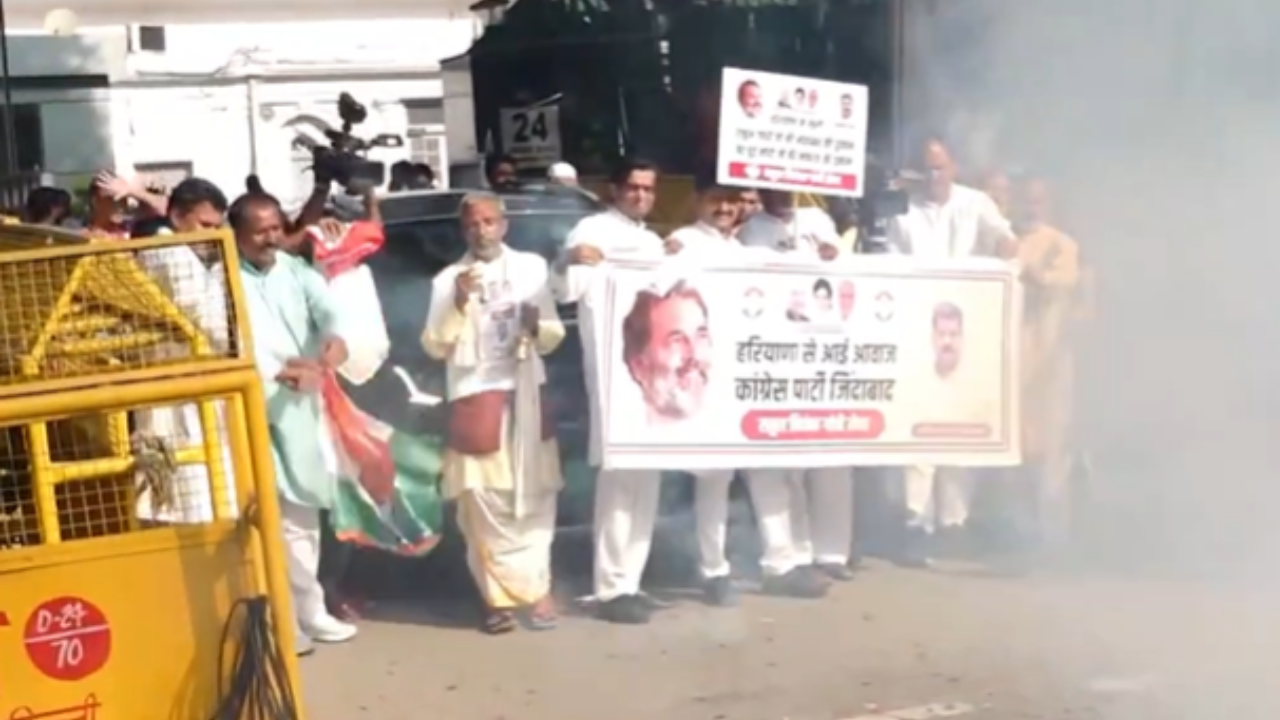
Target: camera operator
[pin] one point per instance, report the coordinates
(311, 213)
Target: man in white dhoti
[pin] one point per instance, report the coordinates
(200, 293)
(491, 319)
(626, 502)
(810, 541)
(943, 220)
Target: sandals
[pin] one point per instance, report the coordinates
(499, 622)
(542, 615)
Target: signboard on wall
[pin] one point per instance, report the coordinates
(531, 135)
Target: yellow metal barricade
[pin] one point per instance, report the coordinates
(137, 503)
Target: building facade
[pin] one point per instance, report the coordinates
(229, 92)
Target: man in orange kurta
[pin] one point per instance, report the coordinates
(1051, 276)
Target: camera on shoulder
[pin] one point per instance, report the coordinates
(345, 159)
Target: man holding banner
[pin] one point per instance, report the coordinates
(817, 528)
(626, 502)
(943, 220)
(712, 235)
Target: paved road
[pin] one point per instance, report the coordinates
(894, 643)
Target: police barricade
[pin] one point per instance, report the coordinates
(140, 553)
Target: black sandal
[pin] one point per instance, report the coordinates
(499, 622)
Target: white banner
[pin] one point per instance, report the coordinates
(789, 132)
(872, 360)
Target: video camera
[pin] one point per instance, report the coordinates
(882, 201)
(343, 161)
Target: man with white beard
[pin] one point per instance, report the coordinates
(943, 220)
(491, 319)
(816, 533)
(626, 502)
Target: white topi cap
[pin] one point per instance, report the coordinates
(562, 171)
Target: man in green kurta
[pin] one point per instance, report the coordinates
(295, 342)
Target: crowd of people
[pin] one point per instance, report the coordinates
(493, 315)
(804, 515)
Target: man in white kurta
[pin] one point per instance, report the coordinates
(703, 241)
(706, 240)
(943, 220)
(491, 319)
(626, 501)
(817, 529)
(200, 293)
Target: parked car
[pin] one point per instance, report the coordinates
(423, 237)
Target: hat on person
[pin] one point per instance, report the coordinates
(561, 171)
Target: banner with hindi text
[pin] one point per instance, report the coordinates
(869, 360)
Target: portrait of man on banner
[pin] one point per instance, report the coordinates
(667, 349)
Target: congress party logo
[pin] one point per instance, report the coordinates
(752, 303)
(884, 306)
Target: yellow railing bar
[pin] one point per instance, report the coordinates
(253, 413)
(217, 473)
(46, 498)
(83, 383)
(79, 470)
(98, 346)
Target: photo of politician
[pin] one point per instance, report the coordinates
(666, 346)
(798, 306)
(750, 98)
(948, 338)
(823, 303)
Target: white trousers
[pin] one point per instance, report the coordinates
(805, 516)
(829, 492)
(301, 527)
(711, 514)
(937, 496)
(625, 513)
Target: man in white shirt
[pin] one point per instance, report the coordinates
(786, 228)
(805, 515)
(943, 220)
(626, 503)
(711, 235)
(200, 292)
